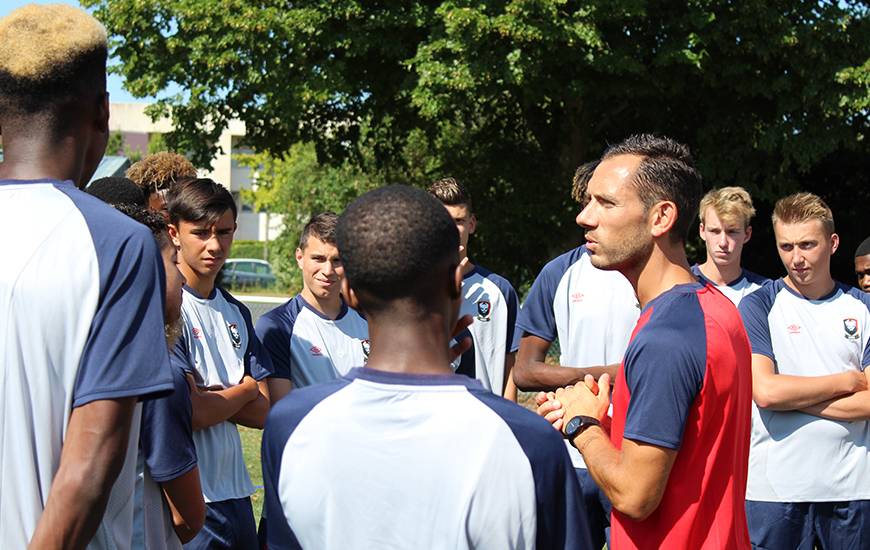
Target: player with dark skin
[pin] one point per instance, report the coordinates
(862, 265)
(65, 141)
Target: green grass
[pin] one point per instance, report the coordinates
(251, 450)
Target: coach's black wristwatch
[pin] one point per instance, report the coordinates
(578, 424)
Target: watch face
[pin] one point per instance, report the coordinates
(573, 425)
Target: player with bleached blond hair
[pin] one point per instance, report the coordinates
(81, 300)
(726, 216)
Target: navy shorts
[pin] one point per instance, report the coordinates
(809, 525)
(597, 509)
(228, 524)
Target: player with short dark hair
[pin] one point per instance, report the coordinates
(219, 348)
(156, 174)
(117, 191)
(488, 297)
(862, 265)
(314, 337)
(404, 453)
(809, 460)
(726, 216)
(682, 398)
(81, 336)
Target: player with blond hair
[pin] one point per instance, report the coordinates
(81, 297)
(809, 464)
(725, 227)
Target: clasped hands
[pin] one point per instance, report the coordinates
(589, 398)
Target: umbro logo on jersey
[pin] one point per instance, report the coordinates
(577, 297)
(315, 351)
(234, 335)
(484, 310)
(850, 326)
(793, 329)
(197, 333)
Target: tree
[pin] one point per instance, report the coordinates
(511, 95)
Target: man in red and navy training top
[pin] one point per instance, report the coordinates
(674, 465)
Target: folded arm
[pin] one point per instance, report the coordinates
(531, 373)
(253, 413)
(210, 407)
(783, 392)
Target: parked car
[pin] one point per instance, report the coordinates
(241, 273)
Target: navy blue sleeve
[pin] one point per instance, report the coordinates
(754, 310)
(125, 353)
(536, 316)
(275, 337)
(665, 365)
(864, 298)
(166, 436)
(561, 514)
(280, 424)
(513, 305)
(258, 364)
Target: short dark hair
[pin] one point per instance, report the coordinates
(863, 248)
(581, 180)
(321, 226)
(666, 172)
(451, 192)
(53, 56)
(391, 240)
(199, 199)
(117, 191)
(150, 219)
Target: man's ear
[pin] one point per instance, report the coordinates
(748, 234)
(349, 295)
(299, 256)
(455, 288)
(835, 242)
(173, 234)
(663, 216)
(472, 224)
(101, 120)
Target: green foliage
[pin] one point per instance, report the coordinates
(512, 95)
(247, 249)
(296, 186)
(115, 145)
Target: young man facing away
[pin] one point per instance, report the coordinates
(488, 297)
(862, 265)
(809, 464)
(674, 463)
(170, 509)
(314, 337)
(725, 227)
(592, 313)
(219, 349)
(81, 312)
(156, 174)
(370, 460)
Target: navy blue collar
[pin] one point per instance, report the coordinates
(411, 379)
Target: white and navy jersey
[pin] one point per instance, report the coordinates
(492, 302)
(218, 346)
(166, 452)
(81, 319)
(798, 457)
(387, 460)
(307, 347)
(591, 311)
(736, 290)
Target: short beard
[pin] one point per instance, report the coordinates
(172, 331)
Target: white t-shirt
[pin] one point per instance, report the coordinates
(592, 312)
(798, 457)
(736, 290)
(81, 319)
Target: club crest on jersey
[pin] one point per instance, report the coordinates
(850, 327)
(484, 310)
(234, 335)
(366, 347)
